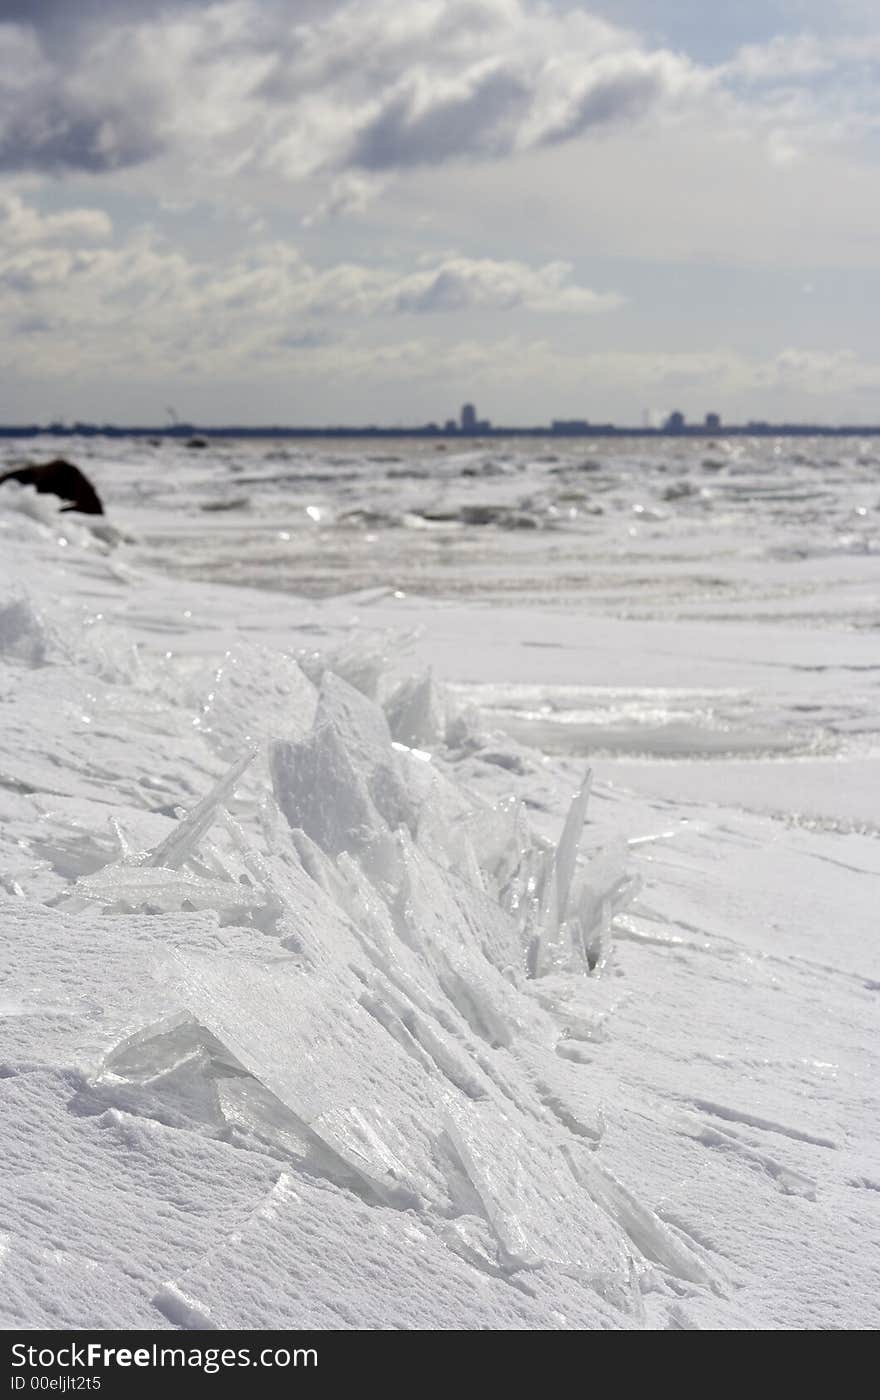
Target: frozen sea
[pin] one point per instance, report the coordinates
(439, 886)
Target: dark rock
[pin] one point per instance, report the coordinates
(62, 479)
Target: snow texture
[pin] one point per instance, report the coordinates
(330, 1000)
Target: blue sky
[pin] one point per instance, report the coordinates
(360, 211)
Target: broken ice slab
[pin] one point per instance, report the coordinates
(304, 908)
(444, 810)
(650, 1235)
(580, 1007)
(416, 713)
(554, 948)
(342, 884)
(319, 788)
(312, 1255)
(500, 837)
(364, 734)
(333, 1066)
(537, 1210)
(566, 851)
(99, 975)
(180, 843)
(413, 1024)
(436, 913)
(604, 888)
(485, 845)
(599, 891)
(361, 661)
(23, 633)
(155, 1049)
(256, 695)
(125, 888)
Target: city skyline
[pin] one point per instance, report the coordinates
(294, 211)
(468, 424)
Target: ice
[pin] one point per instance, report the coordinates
(319, 789)
(129, 888)
(327, 1060)
(23, 635)
(315, 1258)
(363, 731)
(404, 1041)
(553, 946)
(256, 695)
(566, 851)
(180, 843)
(654, 1239)
(516, 1188)
(417, 713)
(361, 660)
(441, 917)
(154, 878)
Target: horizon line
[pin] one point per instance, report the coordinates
(567, 428)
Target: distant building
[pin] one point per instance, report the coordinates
(569, 425)
(713, 422)
(450, 426)
(674, 423)
(470, 423)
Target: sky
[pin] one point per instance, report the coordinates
(370, 211)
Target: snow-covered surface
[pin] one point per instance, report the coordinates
(336, 993)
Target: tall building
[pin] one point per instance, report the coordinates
(468, 418)
(674, 423)
(713, 422)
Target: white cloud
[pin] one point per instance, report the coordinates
(801, 56)
(367, 85)
(483, 284)
(20, 224)
(116, 306)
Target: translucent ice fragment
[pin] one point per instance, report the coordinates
(256, 695)
(566, 851)
(363, 732)
(124, 888)
(319, 788)
(436, 913)
(537, 1210)
(603, 890)
(182, 841)
(650, 1235)
(23, 635)
(362, 661)
(417, 713)
(333, 1066)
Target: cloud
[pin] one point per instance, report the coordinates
(22, 224)
(349, 193)
(349, 92)
(801, 56)
(138, 305)
(51, 120)
(483, 284)
(365, 85)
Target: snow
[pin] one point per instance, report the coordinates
(415, 920)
